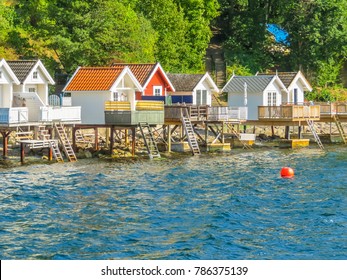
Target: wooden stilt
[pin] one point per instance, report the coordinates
(206, 133)
(22, 153)
(5, 135)
(111, 138)
(126, 135)
(96, 134)
(223, 132)
(133, 131)
(287, 134)
(50, 154)
(169, 138)
(74, 147)
(107, 135)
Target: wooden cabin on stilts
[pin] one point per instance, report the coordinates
(25, 112)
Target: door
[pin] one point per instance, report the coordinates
(204, 97)
(198, 97)
(295, 96)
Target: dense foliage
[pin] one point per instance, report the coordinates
(316, 42)
(69, 33)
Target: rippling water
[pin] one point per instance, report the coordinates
(232, 206)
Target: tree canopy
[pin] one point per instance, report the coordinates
(70, 33)
(316, 43)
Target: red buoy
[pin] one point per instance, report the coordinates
(287, 172)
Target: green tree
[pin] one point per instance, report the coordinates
(6, 27)
(318, 38)
(90, 32)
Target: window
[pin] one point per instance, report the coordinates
(116, 96)
(271, 99)
(0, 74)
(120, 96)
(201, 97)
(35, 75)
(32, 89)
(157, 91)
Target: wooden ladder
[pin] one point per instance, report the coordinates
(64, 140)
(237, 135)
(56, 152)
(79, 136)
(340, 129)
(148, 138)
(188, 127)
(314, 132)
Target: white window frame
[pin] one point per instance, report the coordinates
(32, 89)
(0, 74)
(116, 96)
(271, 98)
(35, 75)
(157, 90)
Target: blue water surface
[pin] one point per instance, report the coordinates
(231, 206)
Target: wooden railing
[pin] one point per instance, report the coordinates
(149, 105)
(290, 112)
(139, 106)
(326, 109)
(14, 115)
(174, 112)
(117, 106)
(64, 114)
(219, 113)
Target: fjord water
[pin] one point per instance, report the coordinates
(231, 206)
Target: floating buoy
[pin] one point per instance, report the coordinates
(287, 172)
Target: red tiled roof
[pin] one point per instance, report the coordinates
(141, 71)
(94, 78)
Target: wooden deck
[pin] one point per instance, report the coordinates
(288, 113)
(205, 113)
(329, 110)
(174, 113)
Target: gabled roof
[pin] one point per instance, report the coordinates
(145, 71)
(23, 68)
(255, 84)
(288, 78)
(185, 82)
(98, 78)
(4, 64)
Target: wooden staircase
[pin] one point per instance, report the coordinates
(64, 140)
(215, 64)
(43, 133)
(56, 152)
(314, 132)
(340, 129)
(149, 141)
(188, 128)
(237, 135)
